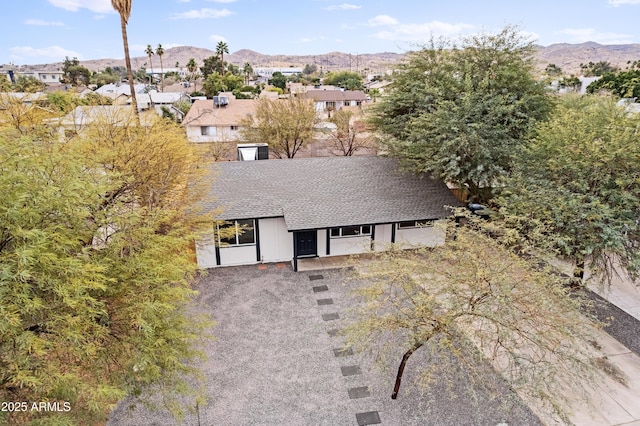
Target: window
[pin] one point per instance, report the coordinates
(242, 232)
(331, 105)
(234, 128)
(350, 231)
(428, 223)
(207, 131)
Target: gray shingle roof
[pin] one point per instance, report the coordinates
(327, 192)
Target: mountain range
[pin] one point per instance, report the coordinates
(564, 55)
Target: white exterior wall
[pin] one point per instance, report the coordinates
(427, 236)
(216, 134)
(383, 237)
(238, 255)
(194, 134)
(206, 252)
(349, 245)
(276, 244)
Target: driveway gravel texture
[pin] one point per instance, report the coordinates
(274, 362)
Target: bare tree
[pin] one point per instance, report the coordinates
(350, 134)
(472, 296)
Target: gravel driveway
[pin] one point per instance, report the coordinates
(275, 362)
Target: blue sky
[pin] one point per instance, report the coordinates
(44, 31)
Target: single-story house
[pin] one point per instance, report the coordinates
(334, 100)
(208, 122)
(285, 210)
(156, 100)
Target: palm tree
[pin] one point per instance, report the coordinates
(192, 67)
(123, 7)
(149, 52)
(160, 52)
(248, 71)
(221, 49)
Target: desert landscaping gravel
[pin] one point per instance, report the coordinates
(277, 359)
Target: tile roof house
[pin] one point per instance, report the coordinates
(207, 122)
(314, 207)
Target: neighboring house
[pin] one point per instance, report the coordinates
(82, 116)
(285, 210)
(48, 77)
(334, 100)
(157, 100)
(157, 72)
(207, 122)
(120, 92)
(266, 72)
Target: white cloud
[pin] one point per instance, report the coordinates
(616, 3)
(55, 53)
(381, 20)
(422, 32)
(343, 6)
(43, 23)
(99, 6)
(203, 14)
(581, 35)
(217, 38)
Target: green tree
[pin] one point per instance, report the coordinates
(108, 76)
(247, 70)
(28, 84)
(5, 84)
(192, 67)
(216, 83)
(285, 124)
(74, 73)
(344, 79)
(575, 191)
(309, 69)
(149, 51)
(597, 68)
(90, 314)
(160, 52)
(278, 80)
(463, 113)
(210, 65)
(222, 48)
(552, 70)
(123, 7)
(624, 84)
(466, 303)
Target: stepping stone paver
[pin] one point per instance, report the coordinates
(351, 370)
(322, 302)
(330, 317)
(360, 392)
(334, 332)
(316, 277)
(368, 418)
(342, 351)
(320, 288)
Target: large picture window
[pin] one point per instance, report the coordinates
(350, 231)
(242, 232)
